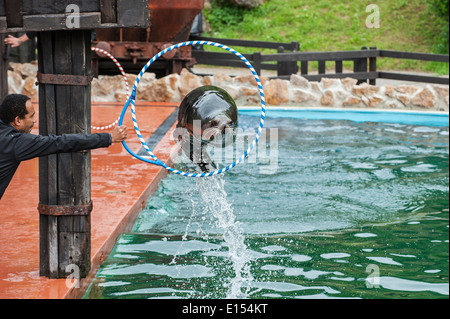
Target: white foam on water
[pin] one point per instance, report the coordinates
(214, 196)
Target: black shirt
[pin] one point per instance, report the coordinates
(16, 147)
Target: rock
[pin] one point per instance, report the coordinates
(158, 91)
(252, 100)
(15, 82)
(315, 86)
(300, 96)
(188, 82)
(206, 80)
(30, 89)
(365, 100)
(327, 98)
(120, 97)
(300, 81)
(404, 99)
(232, 90)
(222, 77)
(394, 104)
(424, 98)
(406, 89)
(248, 91)
(442, 91)
(250, 79)
(245, 79)
(16, 67)
(98, 87)
(340, 94)
(327, 83)
(352, 100)
(147, 78)
(131, 78)
(29, 70)
(373, 101)
(174, 82)
(348, 82)
(389, 90)
(365, 89)
(277, 92)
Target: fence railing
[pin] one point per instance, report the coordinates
(226, 59)
(364, 61)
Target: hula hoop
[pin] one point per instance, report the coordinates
(157, 161)
(100, 128)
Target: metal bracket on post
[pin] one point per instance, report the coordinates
(65, 210)
(63, 79)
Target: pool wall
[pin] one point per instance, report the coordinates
(298, 91)
(409, 117)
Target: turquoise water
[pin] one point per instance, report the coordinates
(352, 209)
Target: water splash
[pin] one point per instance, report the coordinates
(212, 191)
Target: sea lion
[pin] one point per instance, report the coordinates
(206, 114)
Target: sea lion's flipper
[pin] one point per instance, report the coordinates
(197, 153)
(206, 164)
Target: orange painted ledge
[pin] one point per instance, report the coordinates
(120, 188)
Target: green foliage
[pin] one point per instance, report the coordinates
(439, 9)
(413, 25)
(223, 14)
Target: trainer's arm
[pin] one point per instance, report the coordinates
(30, 146)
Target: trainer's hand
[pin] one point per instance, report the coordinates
(119, 134)
(13, 41)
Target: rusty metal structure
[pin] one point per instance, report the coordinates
(170, 22)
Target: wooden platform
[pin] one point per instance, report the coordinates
(120, 188)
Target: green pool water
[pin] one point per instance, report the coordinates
(350, 210)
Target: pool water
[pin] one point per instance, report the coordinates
(350, 210)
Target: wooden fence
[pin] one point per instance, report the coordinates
(227, 59)
(364, 61)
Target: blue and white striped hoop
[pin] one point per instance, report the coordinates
(155, 160)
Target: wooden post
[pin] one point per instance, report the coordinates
(281, 66)
(304, 67)
(322, 66)
(373, 67)
(64, 179)
(288, 67)
(360, 65)
(338, 66)
(3, 69)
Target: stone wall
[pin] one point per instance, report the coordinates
(296, 92)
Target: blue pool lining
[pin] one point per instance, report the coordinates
(412, 117)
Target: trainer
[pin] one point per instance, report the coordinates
(17, 144)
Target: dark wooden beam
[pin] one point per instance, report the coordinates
(32, 15)
(3, 68)
(108, 8)
(414, 56)
(64, 179)
(13, 9)
(413, 77)
(292, 46)
(132, 13)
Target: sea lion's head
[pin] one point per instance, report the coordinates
(208, 112)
